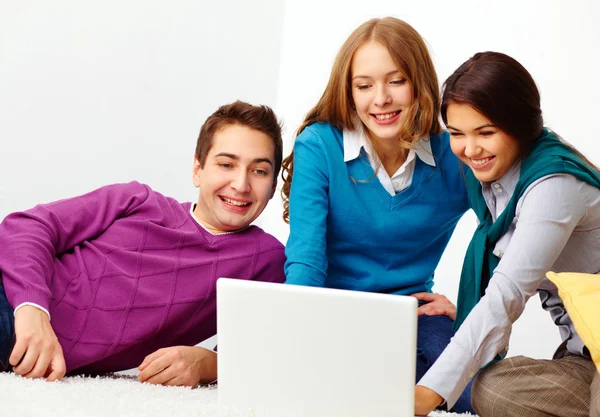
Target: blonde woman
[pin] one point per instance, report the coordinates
(376, 191)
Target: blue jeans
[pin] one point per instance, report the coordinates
(433, 335)
(7, 330)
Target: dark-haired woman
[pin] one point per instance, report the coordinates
(538, 203)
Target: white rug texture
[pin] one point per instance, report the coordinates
(113, 395)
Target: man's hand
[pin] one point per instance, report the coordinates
(426, 400)
(37, 352)
(437, 305)
(179, 365)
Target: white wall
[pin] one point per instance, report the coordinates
(100, 92)
(95, 92)
(555, 40)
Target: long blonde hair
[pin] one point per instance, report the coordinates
(336, 107)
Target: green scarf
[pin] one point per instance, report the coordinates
(549, 156)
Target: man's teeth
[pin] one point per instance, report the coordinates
(385, 116)
(234, 202)
(480, 161)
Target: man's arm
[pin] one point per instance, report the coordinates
(30, 242)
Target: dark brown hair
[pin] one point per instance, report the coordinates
(336, 107)
(260, 118)
(500, 88)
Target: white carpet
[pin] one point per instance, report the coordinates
(118, 395)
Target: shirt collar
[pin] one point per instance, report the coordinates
(423, 150)
(508, 181)
(355, 140)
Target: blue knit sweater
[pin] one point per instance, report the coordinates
(347, 231)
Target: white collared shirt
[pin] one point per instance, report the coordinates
(556, 228)
(356, 140)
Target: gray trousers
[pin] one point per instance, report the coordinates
(525, 387)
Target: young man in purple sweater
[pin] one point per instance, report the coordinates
(124, 277)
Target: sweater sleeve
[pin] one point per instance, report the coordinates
(31, 240)
(306, 248)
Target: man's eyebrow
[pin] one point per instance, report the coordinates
(236, 158)
(227, 155)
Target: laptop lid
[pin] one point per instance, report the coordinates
(315, 351)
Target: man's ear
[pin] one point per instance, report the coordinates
(196, 172)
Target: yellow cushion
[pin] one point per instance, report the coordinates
(580, 294)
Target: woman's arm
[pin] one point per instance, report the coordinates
(306, 248)
(550, 211)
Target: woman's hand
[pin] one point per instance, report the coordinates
(426, 400)
(37, 353)
(437, 305)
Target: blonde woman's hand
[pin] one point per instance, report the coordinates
(437, 305)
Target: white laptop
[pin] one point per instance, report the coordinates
(315, 352)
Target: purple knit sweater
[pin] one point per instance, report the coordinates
(124, 271)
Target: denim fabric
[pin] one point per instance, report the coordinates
(7, 330)
(433, 335)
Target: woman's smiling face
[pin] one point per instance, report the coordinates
(487, 150)
(381, 93)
